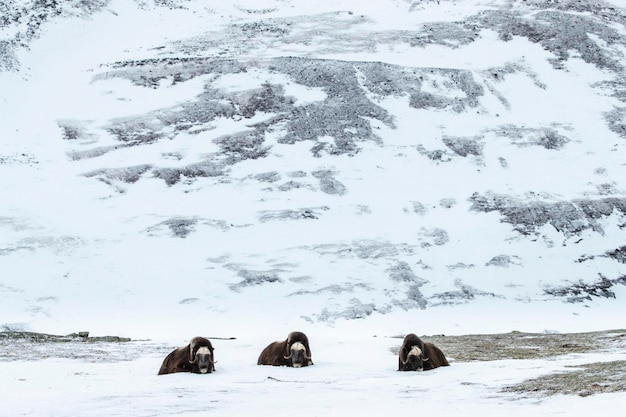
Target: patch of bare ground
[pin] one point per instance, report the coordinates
(519, 345)
(583, 380)
(79, 345)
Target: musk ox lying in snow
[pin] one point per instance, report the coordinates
(196, 357)
(416, 355)
(294, 351)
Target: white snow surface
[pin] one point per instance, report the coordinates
(78, 253)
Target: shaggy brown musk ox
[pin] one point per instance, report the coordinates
(294, 352)
(416, 355)
(196, 357)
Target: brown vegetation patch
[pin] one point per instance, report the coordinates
(585, 380)
(519, 345)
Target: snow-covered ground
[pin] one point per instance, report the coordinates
(349, 378)
(350, 169)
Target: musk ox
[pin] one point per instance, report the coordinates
(416, 355)
(294, 351)
(196, 357)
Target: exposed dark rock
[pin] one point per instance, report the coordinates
(460, 265)
(189, 300)
(343, 116)
(618, 254)
(300, 214)
(271, 176)
(8, 55)
(152, 72)
(73, 130)
(464, 146)
(333, 289)
(242, 146)
(552, 140)
(547, 137)
(464, 294)
(328, 183)
(447, 202)
(558, 31)
(127, 175)
(18, 159)
(181, 227)
(568, 217)
(201, 169)
(437, 155)
(290, 185)
(415, 297)
(268, 99)
(616, 120)
(503, 261)
(499, 74)
(580, 291)
(365, 249)
(356, 310)
(433, 236)
(297, 174)
(254, 278)
(402, 272)
(418, 208)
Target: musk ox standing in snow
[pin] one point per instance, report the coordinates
(196, 357)
(416, 355)
(294, 351)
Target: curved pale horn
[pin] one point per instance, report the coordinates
(290, 353)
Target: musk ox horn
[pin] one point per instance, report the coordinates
(405, 361)
(290, 353)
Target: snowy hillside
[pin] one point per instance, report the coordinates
(307, 164)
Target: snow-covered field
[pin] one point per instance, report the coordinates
(352, 377)
(355, 170)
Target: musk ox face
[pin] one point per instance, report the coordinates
(414, 360)
(201, 356)
(203, 360)
(298, 356)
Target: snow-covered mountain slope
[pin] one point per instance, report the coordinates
(312, 163)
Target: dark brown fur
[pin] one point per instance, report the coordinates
(186, 358)
(276, 352)
(432, 357)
